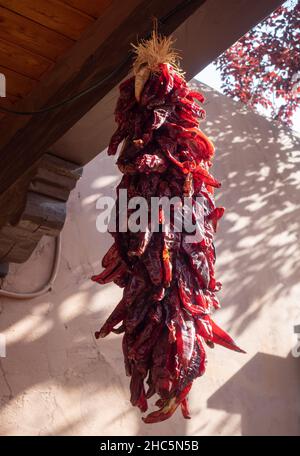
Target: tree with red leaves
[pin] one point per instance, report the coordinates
(262, 69)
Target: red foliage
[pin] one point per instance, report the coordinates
(262, 69)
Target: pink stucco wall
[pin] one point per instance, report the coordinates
(57, 380)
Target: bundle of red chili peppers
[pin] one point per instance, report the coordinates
(169, 283)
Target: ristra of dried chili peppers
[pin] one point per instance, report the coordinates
(169, 283)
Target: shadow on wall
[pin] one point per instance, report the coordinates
(58, 380)
(263, 393)
(258, 164)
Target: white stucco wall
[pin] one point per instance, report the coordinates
(57, 380)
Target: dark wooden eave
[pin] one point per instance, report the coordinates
(24, 140)
(210, 30)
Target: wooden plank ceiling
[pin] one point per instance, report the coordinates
(101, 50)
(34, 34)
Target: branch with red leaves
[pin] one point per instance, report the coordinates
(262, 69)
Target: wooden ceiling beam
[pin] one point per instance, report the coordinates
(100, 51)
(200, 40)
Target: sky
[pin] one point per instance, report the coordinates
(210, 76)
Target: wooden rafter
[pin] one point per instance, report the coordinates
(23, 141)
